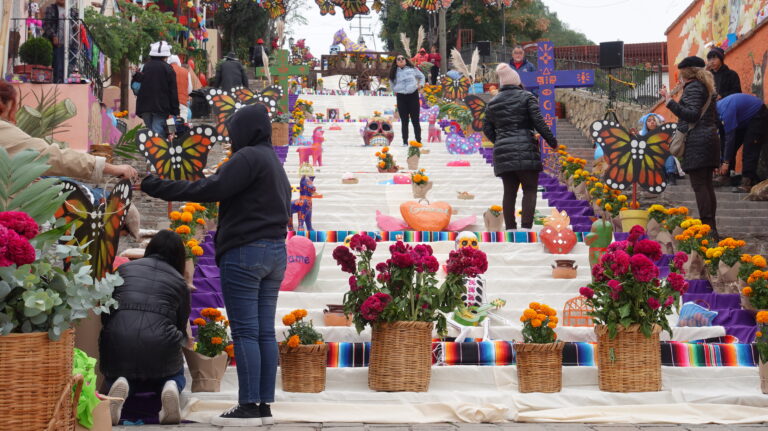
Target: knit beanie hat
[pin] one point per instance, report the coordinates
(507, 75)
(716, 52)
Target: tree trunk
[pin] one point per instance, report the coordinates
(125, 83)
(443, 42)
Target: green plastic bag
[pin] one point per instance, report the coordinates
(85, 365)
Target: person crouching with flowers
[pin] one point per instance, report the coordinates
(140, 342)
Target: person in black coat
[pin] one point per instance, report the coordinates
(230, 74)
(727, 81)
(140, 342)
(702, 145)
(158, 96)
(257, 53)
(509, 119)
(255, 201)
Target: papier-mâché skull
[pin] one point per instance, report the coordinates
(466, 239)
(378, 132)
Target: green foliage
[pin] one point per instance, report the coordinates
(47, 116)
(20, 192)
(241, 24)
(212, 336)
(457, 113)
(126, 146)
(37, 50)
(299, 328)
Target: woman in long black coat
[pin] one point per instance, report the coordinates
(702, 145)
(509, 120)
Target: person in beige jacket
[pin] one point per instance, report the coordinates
(63, 162)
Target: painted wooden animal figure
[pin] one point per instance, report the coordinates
(434, 134)
(598, 239)
(303, 205)
(315, 150)
(341, 38)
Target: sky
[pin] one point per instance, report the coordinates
(632, 21)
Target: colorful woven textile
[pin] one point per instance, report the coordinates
(423, 236)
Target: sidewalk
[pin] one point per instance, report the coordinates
(449, 427)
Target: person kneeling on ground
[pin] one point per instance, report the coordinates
(745, 120)
(140, 342)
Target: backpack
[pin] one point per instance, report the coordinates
(138, 76)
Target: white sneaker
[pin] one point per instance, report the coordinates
(119, 389)
(170, 413)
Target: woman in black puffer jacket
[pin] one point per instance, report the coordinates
(509, 120)
(702, 145)
(140, 342)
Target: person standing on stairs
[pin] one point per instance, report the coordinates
(407, 81)
(435, 59)
(183, 86)
(697, 114)
(510, 118)
(254, 211)
(230, 73)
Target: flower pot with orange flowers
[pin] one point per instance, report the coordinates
(664, 225)
(723, 263)
(209, 359)
(747, 276)
(414, 153)
(492, 217)
(303, 355)
(754, 296)
(761, 342)
(190, 224)
(385, 162)
(540, 355)
(420, 184)
(693, 241)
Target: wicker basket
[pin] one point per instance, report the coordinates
(630, 362)
(539, 367)
(302, 368)
(279, 134)
(401, 357)
(36, 372)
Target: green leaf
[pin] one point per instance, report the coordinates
(625, 310)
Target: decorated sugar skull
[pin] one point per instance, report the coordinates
(378, 132)
(348, 239)
(466, 239)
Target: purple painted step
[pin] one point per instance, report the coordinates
(282, 153)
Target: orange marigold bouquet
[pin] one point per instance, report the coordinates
(385, 159)
(495, 210)
(414, 148)
(695, 237)
(611, 201)
(750, 263)
(539, 323)
(212, 336)
(300, 331)
(188, 222)
(419, 177)
(757, 289)
(761, 336)
(727, 251)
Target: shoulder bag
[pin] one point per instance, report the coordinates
(677, 142)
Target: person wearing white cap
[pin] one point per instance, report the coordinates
(158, 95)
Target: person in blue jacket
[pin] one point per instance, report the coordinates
(745, 120)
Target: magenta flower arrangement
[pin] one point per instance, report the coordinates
(405, 287)
(627, 289)
(16, 229)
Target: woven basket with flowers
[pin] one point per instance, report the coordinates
(303, 355)
(539, 356)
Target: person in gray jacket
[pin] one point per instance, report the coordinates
(230, 74)
(406, 81)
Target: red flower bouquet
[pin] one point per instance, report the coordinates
(405, 286)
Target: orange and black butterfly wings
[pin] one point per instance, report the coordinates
(276, 8)
(112, 219)
(352, 8)
(326, 7)
(427, 5)
(654, 155)
(75, 210)
(455, 89)
(185, 158)
(476, 106)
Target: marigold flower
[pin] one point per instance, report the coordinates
(758, 261)
(529, 314)
(496, 208)
(534, 305)
(535, 323)
(299, 314)
(192, 243)
(210, 313)
(622, 198)
(746, 291)
(289, 319)
(230, 349)
(385, 150)
(197, 251)
(186, 217)
(175, 215)
(216, 340)
(758, 334)
(183, 230)
(762, 317)
(552, 325)
(382, 164)
(220, 319)
(294, 341)
(200, 221)
(199, 322)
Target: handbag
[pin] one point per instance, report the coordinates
(695, 315)
(677, 142)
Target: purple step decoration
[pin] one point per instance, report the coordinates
(579, 211)
(282, 153)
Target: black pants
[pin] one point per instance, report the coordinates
(701, 183)
(408, 107)
(433, 72)
(512, 181)
(754, 135)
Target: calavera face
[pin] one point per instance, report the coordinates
(378, 132)
(466, 239)
(347, 240)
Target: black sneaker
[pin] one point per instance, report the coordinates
(266, 414)
(241, 415)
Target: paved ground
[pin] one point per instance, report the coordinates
(451, 427)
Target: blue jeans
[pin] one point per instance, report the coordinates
(142, 386)
(250, 281)
(155, 123)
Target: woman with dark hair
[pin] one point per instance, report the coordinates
(697, 114)
(140, 342)
(435, 59)
(509, 120)
(406, 81)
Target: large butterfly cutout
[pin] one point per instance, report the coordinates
(427, 5)
(98, 224)
(184, 158)
(455, 89)
(326, 7)
(476, 106)
(634, 159)
(225, 103)
(352, 8)
(276, 8)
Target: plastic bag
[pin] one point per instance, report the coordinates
(694, 315)
(85, 365)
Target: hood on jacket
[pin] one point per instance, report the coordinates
(249, 126)
(644, 120)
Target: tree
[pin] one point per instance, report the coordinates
(125, 37)
(240, 25)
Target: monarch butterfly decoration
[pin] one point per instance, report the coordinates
(455, 89)
(351, 8)
(225, 103)
(184, 158)
(326, 7)
(634, 159)
(476, 106)
(276, 8)
(97, 224)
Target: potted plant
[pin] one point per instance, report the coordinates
(386, 163)
(664, 225)
(494, 222)
(37, 54)
(40, 302)
(420, 184)
(402, 299)
(190, 224)
(630, 308)
(755, 293)
(761, 342)
(539, 356)
(693, 241)
(723, 263)
(303, 355)
(208, 360)
(414, 154)
(749, 264)
(280, 128)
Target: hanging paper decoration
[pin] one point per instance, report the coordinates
(351, 8)
(326, 7)
(276, 8)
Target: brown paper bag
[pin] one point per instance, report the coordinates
(726, 280)
(581, 191)
(675, 232)
(763, 368)
(653, 228)
(695, 268)
(102, 421)
(420, 190)
(413, 162)
(493, 223)
(206, 372)
(189, 273)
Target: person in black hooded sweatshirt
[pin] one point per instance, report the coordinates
(255, 198)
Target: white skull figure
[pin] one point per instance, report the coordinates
(475, 294)
(466, 239)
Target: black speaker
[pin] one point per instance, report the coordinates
(611, 55)
(484, 47)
